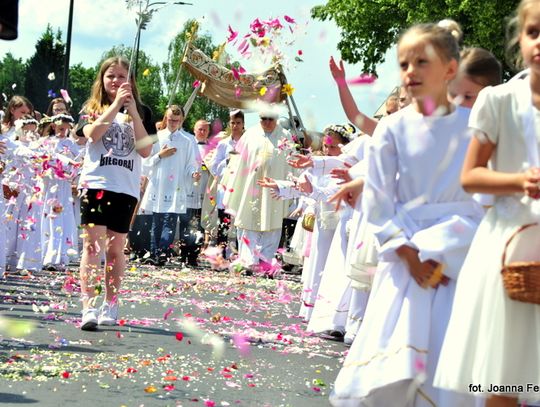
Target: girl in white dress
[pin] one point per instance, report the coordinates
(317, 185)
(332, 310)
(17, 107)
(493, 340)
(423, 221)
(58, 228)
(27, 233)
(17, 183)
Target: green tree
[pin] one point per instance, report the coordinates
(202, 107)
(44, 69)
(12, 76)
(80, 83)
(148, 76)
(370, 27)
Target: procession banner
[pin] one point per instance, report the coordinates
(220, 85)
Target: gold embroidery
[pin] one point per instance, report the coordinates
(383, 355)
(426, 397)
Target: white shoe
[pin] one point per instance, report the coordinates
(348, 339)
(108, 314)
(89, 319)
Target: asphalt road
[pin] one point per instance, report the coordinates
(186, 338)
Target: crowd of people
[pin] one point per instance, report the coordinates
(402, 222)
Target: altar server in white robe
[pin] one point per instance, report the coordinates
(171, 169)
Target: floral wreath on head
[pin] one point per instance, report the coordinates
(45, 120)
(62, 118)
(347, 131)
(20, 123)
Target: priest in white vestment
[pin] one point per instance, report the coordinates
(262, 152)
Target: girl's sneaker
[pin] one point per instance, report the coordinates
(108, 314)
(89, 319)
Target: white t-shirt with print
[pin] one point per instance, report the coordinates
(112, 163)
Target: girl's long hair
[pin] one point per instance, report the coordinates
(98, 101)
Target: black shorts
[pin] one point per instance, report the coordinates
(106, 208)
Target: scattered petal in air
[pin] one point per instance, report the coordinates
(146, 72)
(287, 89)
(51, 76)
(241, 342)
(66, 97)
(290, 20)
(429, 106)
(364, 79)
(263, 90)
(232, 34)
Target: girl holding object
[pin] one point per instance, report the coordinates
(492, 339)
(423, 222)
(117, 141)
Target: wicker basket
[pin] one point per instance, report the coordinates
(521, 279)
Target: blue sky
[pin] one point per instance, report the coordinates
(101, 24)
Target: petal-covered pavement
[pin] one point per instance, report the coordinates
(186, 337)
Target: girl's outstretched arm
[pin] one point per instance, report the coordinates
(365, 123)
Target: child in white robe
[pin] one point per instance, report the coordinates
(320, 186)
(332, 308)
(493, 340)
(26, 233)
(17, 182)
(423, 221)
(59, 231)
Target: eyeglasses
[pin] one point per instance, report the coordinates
(267, 119)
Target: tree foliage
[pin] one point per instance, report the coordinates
(44, 70)
(12, 76)
(202, 107)
(80, 82)
(370, 27)
(31, 79)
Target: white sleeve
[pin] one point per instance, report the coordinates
(378, 201)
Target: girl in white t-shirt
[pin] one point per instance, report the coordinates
(117, 140)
